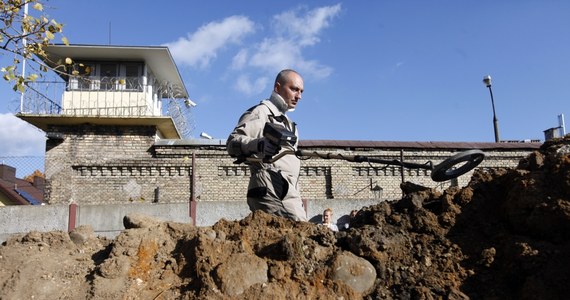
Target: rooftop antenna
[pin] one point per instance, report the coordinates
(24, 43)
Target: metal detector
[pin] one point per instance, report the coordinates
(450, 168)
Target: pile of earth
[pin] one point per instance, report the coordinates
(504, 236)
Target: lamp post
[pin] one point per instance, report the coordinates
(377, 190)
(487, 82)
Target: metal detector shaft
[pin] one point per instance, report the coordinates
(363, 158)
(443, 171)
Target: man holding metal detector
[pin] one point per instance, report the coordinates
(266, 139)
(262, 132)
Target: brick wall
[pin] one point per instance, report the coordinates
(121, 164)
(112, 164)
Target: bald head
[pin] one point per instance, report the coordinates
(289, 85)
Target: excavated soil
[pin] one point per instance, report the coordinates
(504, 236)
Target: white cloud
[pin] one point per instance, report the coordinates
(18, 138)
(294, 31)
(240, 59)
(199, 48)
(305, 29)
(276, 54)
(251, 87)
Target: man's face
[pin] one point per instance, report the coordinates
(291, 91)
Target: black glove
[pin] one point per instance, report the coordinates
(268, 148)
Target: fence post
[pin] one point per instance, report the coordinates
(192, 205)
(72, 217)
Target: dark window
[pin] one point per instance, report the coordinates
(108, 75)
(133, 75)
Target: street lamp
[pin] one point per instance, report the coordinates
(205, 136)
(487, 82)
(377, 190)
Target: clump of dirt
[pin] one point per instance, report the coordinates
(504, 236)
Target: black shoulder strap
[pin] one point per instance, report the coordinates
(281, 119)
(252, 108)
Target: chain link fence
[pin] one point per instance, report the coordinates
(25, 165)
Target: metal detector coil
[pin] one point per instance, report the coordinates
(447, 169)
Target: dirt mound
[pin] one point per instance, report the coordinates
(504, 236)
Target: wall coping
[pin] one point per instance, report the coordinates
(427, 145)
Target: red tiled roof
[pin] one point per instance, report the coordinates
(7, 189)
(9, 184)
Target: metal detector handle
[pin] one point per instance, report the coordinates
(266, 160)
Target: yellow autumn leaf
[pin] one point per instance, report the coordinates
(65, 41)
(49, 35)
(68, 61)
(38, 6)
(32, 77)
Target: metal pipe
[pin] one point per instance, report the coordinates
(192, 204)
(156, 194)
(402, 165)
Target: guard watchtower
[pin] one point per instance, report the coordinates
(105, 85)
(102, 118)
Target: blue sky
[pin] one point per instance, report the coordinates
(373, 70)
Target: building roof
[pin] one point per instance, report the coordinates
(420, 145)
(158, 58)
(18, 191)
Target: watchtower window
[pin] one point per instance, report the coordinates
(86, 73)
(133, 74)
(108, 76)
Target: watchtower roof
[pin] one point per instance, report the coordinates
(158, 59)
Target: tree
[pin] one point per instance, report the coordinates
(26, 36)
(37, 173)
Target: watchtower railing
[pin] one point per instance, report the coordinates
(103, 97)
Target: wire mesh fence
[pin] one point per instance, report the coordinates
(25, 165)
